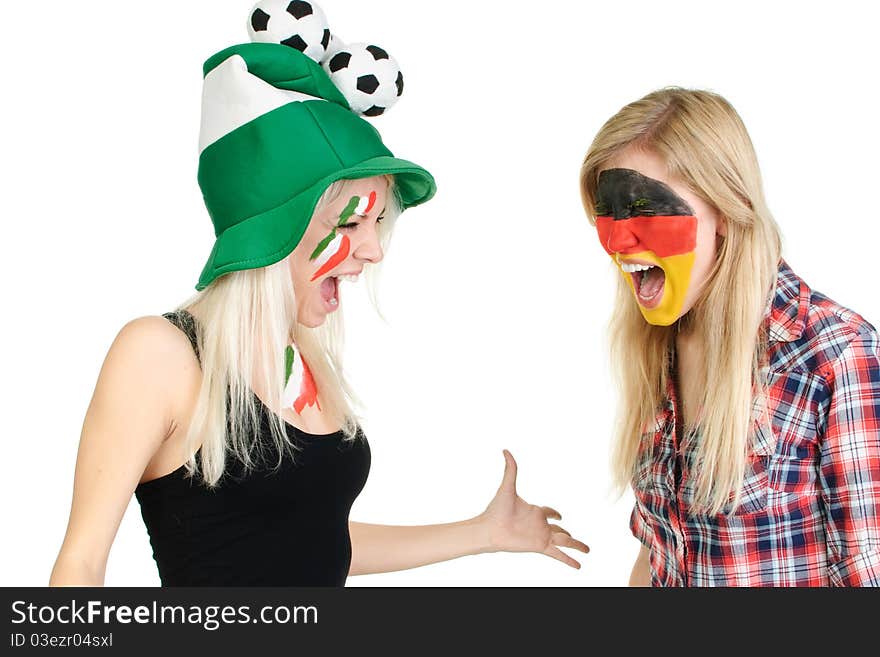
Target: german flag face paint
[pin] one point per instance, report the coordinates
(651, 233)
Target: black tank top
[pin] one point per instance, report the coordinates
(264, 527)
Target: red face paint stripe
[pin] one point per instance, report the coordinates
(308, 392)
(335, 259)
(664, 235)
(371, 203)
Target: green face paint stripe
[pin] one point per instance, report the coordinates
(349, 209)
(288, 363)
(344, 216)
(323, 244)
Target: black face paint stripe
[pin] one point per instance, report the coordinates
(625, 193)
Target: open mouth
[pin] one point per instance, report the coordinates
(330, 292)
(329, 289)
(648, 282)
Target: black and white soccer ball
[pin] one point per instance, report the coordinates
(297, 23)
(368, 77)
(336, 44)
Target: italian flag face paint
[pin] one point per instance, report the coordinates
(299, 386)
(336, 251)
(365, 205)
(334, 248)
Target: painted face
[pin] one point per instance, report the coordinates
(651, 233)
(340, 239)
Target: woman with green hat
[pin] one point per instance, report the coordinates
(229, 419)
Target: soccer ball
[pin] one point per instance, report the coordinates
(367, 76)
(335, 46)
(298, 24)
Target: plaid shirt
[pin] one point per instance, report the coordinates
(810, 511)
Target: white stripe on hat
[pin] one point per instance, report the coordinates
(232, 97)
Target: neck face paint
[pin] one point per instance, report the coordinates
(651, 233)
(300, 390)
(335, 248)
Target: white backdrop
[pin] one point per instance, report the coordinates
(496, 293)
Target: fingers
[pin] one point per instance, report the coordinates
(551, 513)
(557, 528)
(564, 539)
(559, 555)
(509, 480)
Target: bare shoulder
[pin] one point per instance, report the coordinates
(149, 368)
(154, 338)
(152, 360)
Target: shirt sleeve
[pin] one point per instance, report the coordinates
(850, 465)
(639, 526)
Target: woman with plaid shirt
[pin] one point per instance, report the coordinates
(750, 415)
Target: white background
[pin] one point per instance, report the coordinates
(496, 293)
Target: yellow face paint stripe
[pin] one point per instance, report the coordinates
(677, 270)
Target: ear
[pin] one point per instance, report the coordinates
(721, 227)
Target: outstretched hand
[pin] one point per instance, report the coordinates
(514, 525)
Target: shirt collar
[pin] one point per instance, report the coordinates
(788, 307)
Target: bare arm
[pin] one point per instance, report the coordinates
(509, 523)
(641, 572)
(386, 548)
(127, 420)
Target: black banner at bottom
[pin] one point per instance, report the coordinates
(254, 621)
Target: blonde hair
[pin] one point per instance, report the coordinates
(246, 320)
(706, 146)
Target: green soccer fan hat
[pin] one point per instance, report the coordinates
(275, 133)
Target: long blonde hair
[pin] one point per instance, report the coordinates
(706, 146)
(246, 319)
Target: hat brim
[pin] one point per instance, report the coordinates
(254, 242)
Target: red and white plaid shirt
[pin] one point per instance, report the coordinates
(810, 511)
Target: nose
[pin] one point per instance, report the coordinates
(621, 237)
(369, 248)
